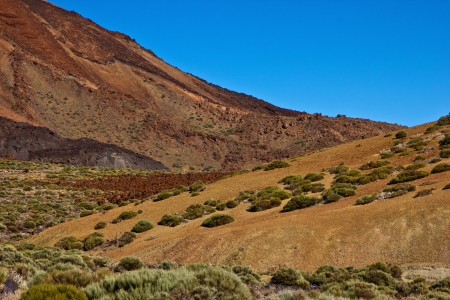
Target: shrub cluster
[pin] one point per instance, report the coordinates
(396, 191)
(301, 185)
(444, 120)
(445, 153)
(356, 177)
(416, 166)
(277, 164)
(197, 211)
(299, 202)
(269, 197)
(445, 143)
(338, 191)
(408, 175)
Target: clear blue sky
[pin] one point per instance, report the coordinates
(382, 60)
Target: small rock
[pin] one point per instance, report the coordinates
(11, 286)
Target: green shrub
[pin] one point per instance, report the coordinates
(128, 214)
(142, 226)
(447, 187)
(419, 158)
(205, 283)
(290, 276)
(388, 135)
(232, 203)
(217, 220)
(197, 186)
(314, 177)
(52, 292)
(107, 206)
(441, 168)
(69, 243)
(88, 205)
(409, 175)
(167, 265)
(299, 202)
(416, 166)
(387, 155)
(2, 227)
(445, 153)
(445, 143)
(374, 164)
(93, 240)
(399, 190)
(339, 169)
(276, 165)
(366, 199)
(130, 263)
(163, 195)
(221, 206)
(291, 179)
(100, 225)
(170, 220)
(330, 196)
(212, 202)
(86, 213)
(444, 120)
(264, 204)
(126, 238)
(401, 134)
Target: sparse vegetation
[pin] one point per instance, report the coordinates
(424, 192)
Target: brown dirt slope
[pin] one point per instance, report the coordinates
(62, 71)
(403, 230)
(38, 144)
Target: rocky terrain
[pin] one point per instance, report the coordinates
(62, 71)
(38, 144)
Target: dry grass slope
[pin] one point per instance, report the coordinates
(402, 230)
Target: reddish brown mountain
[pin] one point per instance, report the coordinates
(62, 71)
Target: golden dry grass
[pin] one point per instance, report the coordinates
(403, 230)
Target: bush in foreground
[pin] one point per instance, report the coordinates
(53, 292)
(142, 226)
(217, 220)
(130, 263)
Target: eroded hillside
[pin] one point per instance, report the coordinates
(62, 71)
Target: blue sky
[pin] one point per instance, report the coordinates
(382, 60)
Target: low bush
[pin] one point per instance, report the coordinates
(197, 211)
(374, 164)
(420, 158)
(299, 202)
(447, 186)
(170, 220)
(409, 175)
(445, 153)
(126, 215)
(221, 206)
(142, 226)
(440, 168)
(130, 263)
(387, 155)
(424, 192)
(314, 177)
(401, 134)
(53, 291)
(197, 186)
(330, 196)
(397, 191)
(290, 276)
(388, 135)
(366, 199)
(445, 143)
(339, 169)
(444, 120)
(264, 204)
(100, 225)
(217, 220)
(276, 165)
(163, 195)
(86, 213)
(291, 179)
(69, 243)
(212, 202)
(416, 166)
(93, 240)
(126, 238)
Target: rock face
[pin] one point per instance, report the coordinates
(38, 144)
(64, 72)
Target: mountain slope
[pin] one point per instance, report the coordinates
(62, 71)
(405, 230)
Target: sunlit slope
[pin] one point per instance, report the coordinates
(403, 230)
